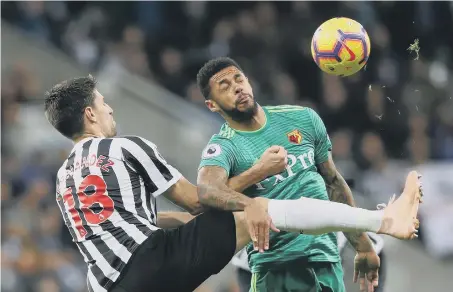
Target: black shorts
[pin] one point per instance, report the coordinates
(181, 259)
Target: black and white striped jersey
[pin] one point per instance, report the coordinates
(106, 191)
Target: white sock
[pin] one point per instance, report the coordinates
(312, 216)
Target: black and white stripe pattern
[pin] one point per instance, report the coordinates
(134, 174)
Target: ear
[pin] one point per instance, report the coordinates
(212, 105)
(90, 114)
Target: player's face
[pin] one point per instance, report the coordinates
(232, 95)
(104, 115)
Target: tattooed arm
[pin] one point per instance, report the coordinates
(339, 191)
(214, 192)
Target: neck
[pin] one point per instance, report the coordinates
(256, 123)
(86, 135)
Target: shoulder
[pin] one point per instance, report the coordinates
(287, 110)
(224, 137)
(130, 141)
(61, 174)
(284, 108)
(220, 143)
(131, 138)
(225, 133)
(291, 112)
(216, 147)
(135, 147)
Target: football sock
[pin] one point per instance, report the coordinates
(312, 216)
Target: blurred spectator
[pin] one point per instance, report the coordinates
(171, 74)
(33, 19)
(381, 176)
(194, 95)
(342, 153)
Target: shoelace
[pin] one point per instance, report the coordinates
(382, 206)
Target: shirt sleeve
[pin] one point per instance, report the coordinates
(219, 152)
(322, 141)
(146, 160)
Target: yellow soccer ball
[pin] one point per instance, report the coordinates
(340, 46)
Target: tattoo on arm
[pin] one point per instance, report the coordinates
(213, 191)
(339, 191)
(337, 188)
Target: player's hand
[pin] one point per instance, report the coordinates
(258, 223)
(366, 270)
(273, 161)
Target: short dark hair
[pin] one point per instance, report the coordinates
(65, 104)
(211, 68)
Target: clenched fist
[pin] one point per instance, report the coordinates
(273, 161)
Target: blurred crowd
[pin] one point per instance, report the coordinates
(395, 113)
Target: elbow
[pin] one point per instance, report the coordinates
(196, 209)
(202, 192)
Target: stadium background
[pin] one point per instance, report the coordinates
(395, 115)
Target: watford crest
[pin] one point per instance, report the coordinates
(295, 137)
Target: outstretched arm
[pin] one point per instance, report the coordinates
(339, 191)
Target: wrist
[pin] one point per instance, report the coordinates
(247, 202)
(258, 171)
(364, 244)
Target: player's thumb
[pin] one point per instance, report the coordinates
(274, 149)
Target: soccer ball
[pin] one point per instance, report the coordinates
(340, 46)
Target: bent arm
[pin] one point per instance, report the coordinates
(213, 190)
(184, 194)
(339, 191)
(246, 179)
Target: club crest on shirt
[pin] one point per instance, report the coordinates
(295, 137)
(212, 150)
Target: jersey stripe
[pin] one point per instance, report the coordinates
(102, 259)
(92, 267)
(149, 184)
(93, 242)
(137, 193)
(134, 174)
(163, 170)
(85, 171)
(62, 208)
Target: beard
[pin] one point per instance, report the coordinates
(242, 116)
